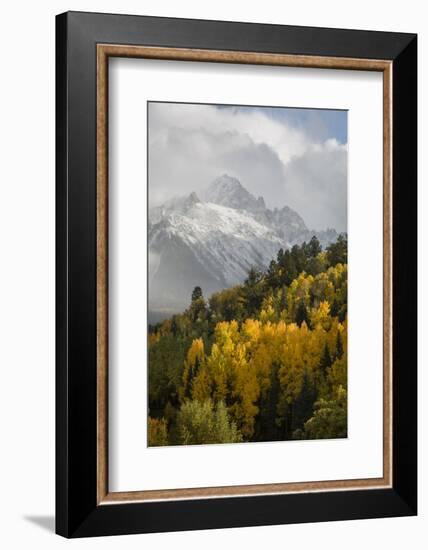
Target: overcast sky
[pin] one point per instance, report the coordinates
(294, 157)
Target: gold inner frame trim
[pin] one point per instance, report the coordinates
(104, 51)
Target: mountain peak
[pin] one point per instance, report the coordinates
(228, 191)
(193, 198)
(226, 182)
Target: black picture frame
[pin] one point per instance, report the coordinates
(77, 511)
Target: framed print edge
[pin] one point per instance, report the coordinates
(84, 505)
(104, 52)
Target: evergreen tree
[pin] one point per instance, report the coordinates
(337, 253)
(325, 361)
(298, 254)
(289, 270)
(174, 326)
(195, 356)
(301, 314)
(253, 291)
(253, 278)
(191, 373)
(267, 429)
(303, 406)
(314, 247)
(272, 274)
(314, 266)
(198, 305)
(283, 303)
(342, 313)
(339, 346)
(197, 293)
(334, 309)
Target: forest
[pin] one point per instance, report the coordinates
(262, 361)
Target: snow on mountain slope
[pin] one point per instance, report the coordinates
(229, 241)
(214, 242)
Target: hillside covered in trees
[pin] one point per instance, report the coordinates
(262, 361)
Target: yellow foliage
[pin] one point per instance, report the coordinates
(201, 387)
(237, 371)
(157, 434)
(194, 362)
(320, 316)
(153, 338)
(196, 351)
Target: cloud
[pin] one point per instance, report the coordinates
(190, 145)
(315, 185)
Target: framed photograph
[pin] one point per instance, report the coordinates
(236, 274)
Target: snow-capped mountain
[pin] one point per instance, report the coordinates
(212, 241)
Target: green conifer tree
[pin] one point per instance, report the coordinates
(253, 291)
(197, 293)
(303, 406)
(314, 247)
(198, 305)
(339, 346)
(301, 314)
(325, 361)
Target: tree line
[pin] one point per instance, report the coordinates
(262, 361)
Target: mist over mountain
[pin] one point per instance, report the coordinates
(212, 239)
